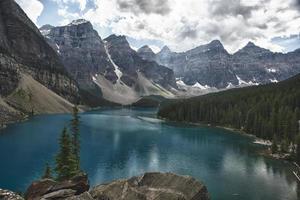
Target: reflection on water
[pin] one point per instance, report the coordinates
(123, 143)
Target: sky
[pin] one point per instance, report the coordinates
(180, 24)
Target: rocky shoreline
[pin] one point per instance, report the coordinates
(150, 186)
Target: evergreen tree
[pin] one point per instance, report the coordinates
(274, 147)
(76, 137)
(297, 155)
(48, 172)
(66, 166)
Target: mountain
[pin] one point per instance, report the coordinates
(146, 53)
(211, 65)
(130, 63)
(259, 65)
(107, 68)
(27, 64)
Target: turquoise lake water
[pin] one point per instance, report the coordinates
(120, 143)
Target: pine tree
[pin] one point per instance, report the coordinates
(76, 137)
(274, 147)
(65, 161)
(298, 150)
(48, 172)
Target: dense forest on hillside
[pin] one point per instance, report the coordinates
(268, 111)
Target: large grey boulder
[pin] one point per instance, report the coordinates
(50, 189)
(150, 186)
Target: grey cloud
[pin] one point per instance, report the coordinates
(160, 7)
(232, 8)
(229, 36)
(188, 31)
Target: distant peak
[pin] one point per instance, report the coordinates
(46, 27)
(78, 22)
(165, 49)
(250, 44)
(119, 40)
(216, 43)
(253, 49)
(115, 37)
(145, 48)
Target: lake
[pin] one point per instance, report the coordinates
(120, 143)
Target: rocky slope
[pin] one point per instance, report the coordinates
(25, 55)
(150, 186)
(211, 66)
(82, 51)
(109, 68)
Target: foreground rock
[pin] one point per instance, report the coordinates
(50, 189)
(150, 186)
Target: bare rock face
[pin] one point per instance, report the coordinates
(81, 50)
(130, 63)
(150, 186)
(28, 50)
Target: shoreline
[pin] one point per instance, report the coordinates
(258, 141)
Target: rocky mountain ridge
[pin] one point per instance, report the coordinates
(211, 66)
(107, 68)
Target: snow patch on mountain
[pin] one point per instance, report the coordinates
(78, 22)
(241, 82)
(271, 70)
(274, 80)
(230, 85)
(181, 84)
(57, 46)
(117, 69)
(198, 85)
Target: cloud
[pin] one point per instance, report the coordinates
(67, 3)
(33, 8)
(144, 6)
(183, 25)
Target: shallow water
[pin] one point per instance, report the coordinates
(123, 143)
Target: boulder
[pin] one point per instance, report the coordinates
(83, 196)
(60, 194)
(150, 186)
(45, 187)
(39, 188)
(78, 183)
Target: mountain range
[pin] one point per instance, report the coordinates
(50, 69)
(211, 66)
(109, 67)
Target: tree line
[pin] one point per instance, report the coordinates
(270, 112)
